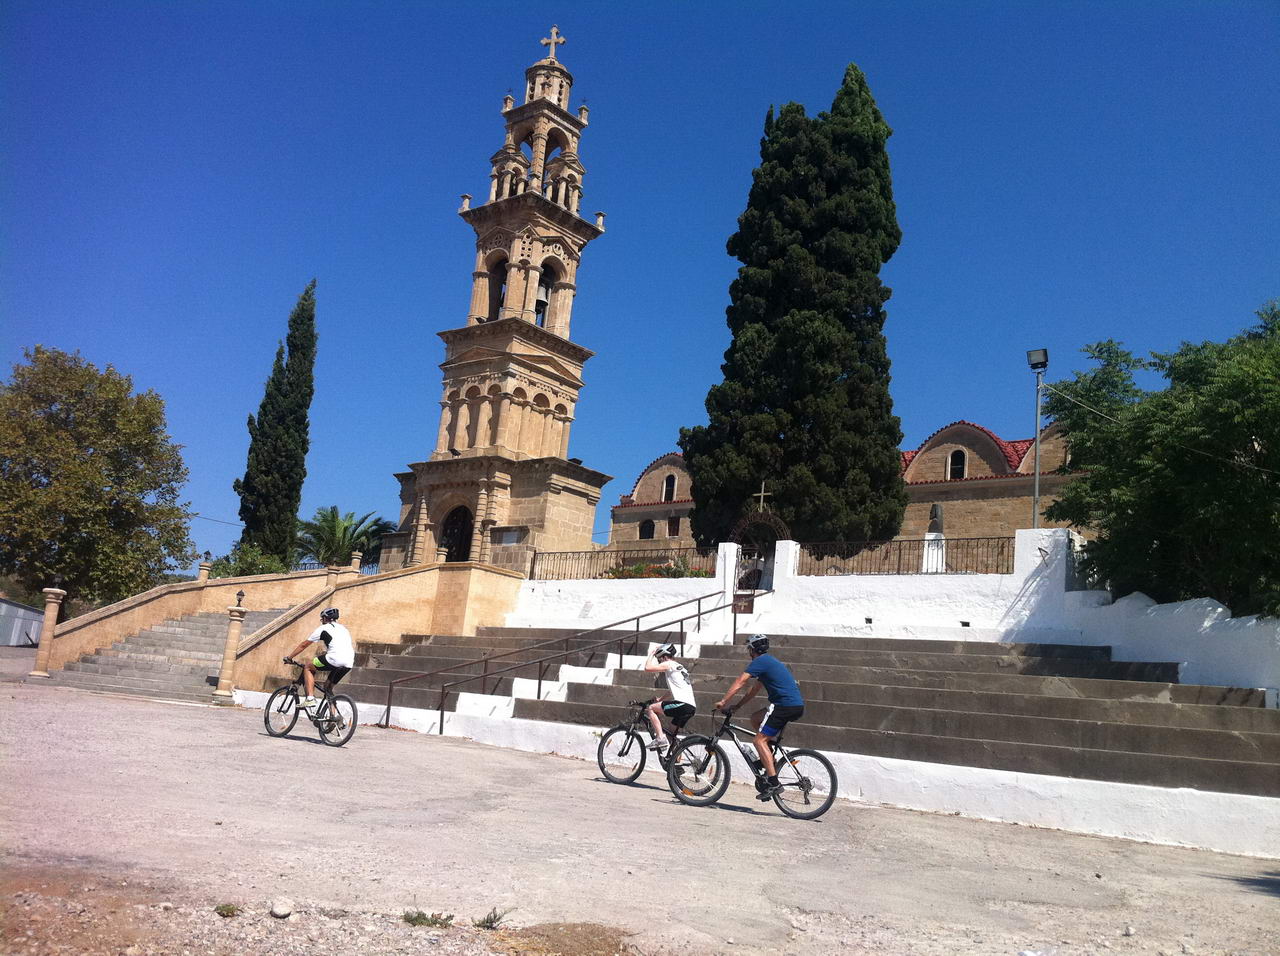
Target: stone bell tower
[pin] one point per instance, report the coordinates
(499, 482)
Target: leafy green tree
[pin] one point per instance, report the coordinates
(1181, 484)
(271, 488)
(805, 403)
(89, 481)
(246, 559)
(330, 537)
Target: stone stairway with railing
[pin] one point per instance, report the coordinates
(1057, 709)
(176, 660)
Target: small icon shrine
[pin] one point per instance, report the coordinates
(499, 482)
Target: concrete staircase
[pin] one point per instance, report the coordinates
(176, 660)
(1055, 709)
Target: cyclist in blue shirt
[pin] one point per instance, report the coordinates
(785, 702)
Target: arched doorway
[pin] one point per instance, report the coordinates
(757, 534)
(455, 534)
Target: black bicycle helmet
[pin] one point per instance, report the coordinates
(329, 614)
(758, 643)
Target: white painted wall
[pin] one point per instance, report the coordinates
(1031, 604)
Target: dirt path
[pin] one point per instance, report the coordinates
(194, 807)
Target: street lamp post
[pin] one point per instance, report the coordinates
(1038, 359)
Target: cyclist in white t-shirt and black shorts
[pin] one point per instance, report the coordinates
(336, 660)
(679, 706)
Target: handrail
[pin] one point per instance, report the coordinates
(543, 662)
(554, 640)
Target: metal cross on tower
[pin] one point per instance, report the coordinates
(553, 41)
(760, 496)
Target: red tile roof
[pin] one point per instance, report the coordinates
(1013, 451)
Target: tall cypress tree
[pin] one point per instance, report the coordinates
(804, 405)
(271, 489)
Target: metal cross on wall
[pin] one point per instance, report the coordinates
(553, 41)
(760, 496)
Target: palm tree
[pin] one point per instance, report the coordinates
(330, 537)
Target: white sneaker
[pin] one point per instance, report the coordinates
(308, 703)
(658, 745)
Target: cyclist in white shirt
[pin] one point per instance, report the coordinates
(678, 707)
(336, 660)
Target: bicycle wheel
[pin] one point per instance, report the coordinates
(698, 771)
(621, 754)
(808, 784)
(339, 721)
(281, 712)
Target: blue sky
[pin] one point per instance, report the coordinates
(172, 175)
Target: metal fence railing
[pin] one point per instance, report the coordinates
(912, 556)
(638, 563)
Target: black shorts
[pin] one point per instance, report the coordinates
(678, 712)
(332, 671)
(777, 717)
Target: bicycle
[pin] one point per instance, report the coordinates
(622, 752)
(335, 716)
(807, 777)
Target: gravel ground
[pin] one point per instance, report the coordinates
(127, 821)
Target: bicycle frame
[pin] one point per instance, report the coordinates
(749, 754)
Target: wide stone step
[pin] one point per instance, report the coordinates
(124, 684)
(125, 652)
(1007, 663)
(93, 664)
(1152, 713)
(1153, 769)
(150, 639)
(990, 682)
(1052, 731)
(105, 687)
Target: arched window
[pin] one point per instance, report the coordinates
(646, 530)
(669, 488)
(455, 534)
(546, 282)
(497, 288)
(955, 465)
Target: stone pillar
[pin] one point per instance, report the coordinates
(564, 437)
(330, 576)
(484, 412)
(528, 311)
(477, 524)
(479, 297)
(52, 602)
(203, 574)
(235, 621)
(503, 424)
(462, 424)
(544, 430)
(442, 554)
(442, 436)
(356, 557)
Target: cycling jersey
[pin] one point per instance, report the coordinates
(338, 647)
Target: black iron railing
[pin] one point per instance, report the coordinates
(585, 655)
(636, 563)
(914, 556)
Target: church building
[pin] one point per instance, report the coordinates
(964, 481)
(499, 482)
